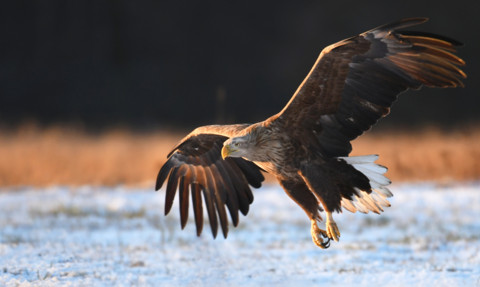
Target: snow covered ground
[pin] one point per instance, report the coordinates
(119, 237)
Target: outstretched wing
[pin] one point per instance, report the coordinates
(355, 82)
(195, 166)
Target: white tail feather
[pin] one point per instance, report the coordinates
(382, 190)
(358, 192)
(371, 167)
(368, 205)
(378, 198)
(360, 207)
(376, 177)
(348, 205)
(360, 159)
(375, 205)
(361, 200)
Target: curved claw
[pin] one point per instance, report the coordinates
(318, 234)
(325, 245)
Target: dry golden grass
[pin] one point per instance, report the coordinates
(62, 156)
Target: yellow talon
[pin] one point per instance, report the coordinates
(332, 228)
(317, 235)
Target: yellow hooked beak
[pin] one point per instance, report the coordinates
(227, 150)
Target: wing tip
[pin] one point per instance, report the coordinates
(397, 25)
(158, 185)
(453, 42)
(225, 232)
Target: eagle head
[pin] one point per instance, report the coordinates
(239, 147)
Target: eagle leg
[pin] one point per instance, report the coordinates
(332, 228)
(318, 178)
(317, 235)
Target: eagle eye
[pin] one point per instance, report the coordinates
(237, 144)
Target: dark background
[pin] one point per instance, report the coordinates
(156, 64)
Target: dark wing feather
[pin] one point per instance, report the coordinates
(197, 207)
(196, 164)
(355, 82)
(183, 194)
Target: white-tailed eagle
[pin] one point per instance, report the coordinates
(305, 146)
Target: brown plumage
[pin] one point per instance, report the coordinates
(306, 146)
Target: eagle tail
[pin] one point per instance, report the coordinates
(363, 200)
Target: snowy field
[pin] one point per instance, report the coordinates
(119, 237)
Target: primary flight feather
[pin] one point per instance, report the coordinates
(305, 146)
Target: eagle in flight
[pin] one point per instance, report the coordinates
(305, 146)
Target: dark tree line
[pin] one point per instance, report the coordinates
(173, 63)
